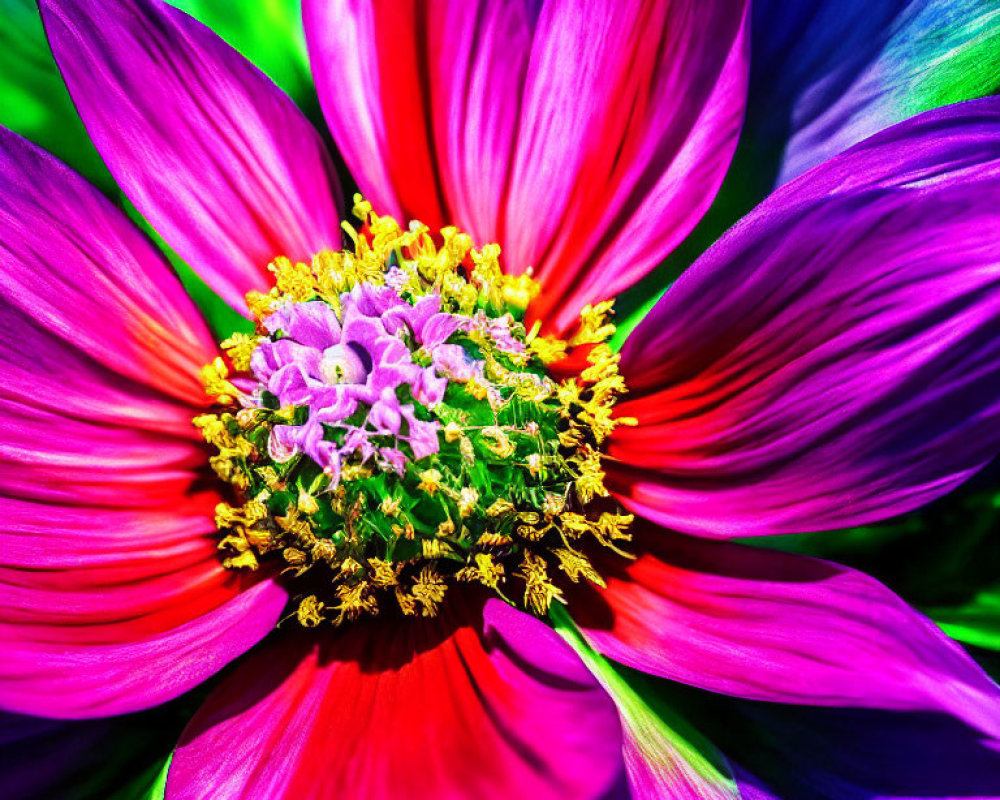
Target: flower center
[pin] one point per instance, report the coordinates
(393, 428)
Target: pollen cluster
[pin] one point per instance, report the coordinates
(393, 429)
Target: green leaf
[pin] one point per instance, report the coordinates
(976, 622)
(159, 787)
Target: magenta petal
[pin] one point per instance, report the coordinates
(46, 372)
(77, 576)
(498, 707)
(112, 593)
(215, 156)
(567, 132)
(55, 680)
(835, 358)
(101, 353)
(353, 49)
(78, 270)
(630, 116)
(765, 625)
(51, 457)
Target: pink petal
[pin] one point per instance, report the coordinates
(51, 457)
(497, 707)
(47, 372)
(112, 593)
(584, 145)
(56, 679)
(765, 625)
(77, 269)
(835, 358)
(215, 156)
(630, 117)
(99, 367)
(82, 575)
(414, 102)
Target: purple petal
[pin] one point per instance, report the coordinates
(271, 358)
(385, 416)
(335, 403)
(766, 625)
(428, 388)
(430, 327)
(827, 74)
(214, 155)
(367, 331)
(313, 323)
(377, 301)
(835, 358)
(452, 361)
(327, 455)
(292, 384)
(750, 786)
(283, 443)
(423, 436)
(393, 458)
(495, 707)
(438, 328)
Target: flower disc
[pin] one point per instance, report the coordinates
(393, 427)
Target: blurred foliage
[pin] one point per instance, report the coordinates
(150, 785)
(268, 33)
(116, 758)
(153, 787)
(33, 100)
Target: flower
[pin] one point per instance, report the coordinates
(834, 359)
